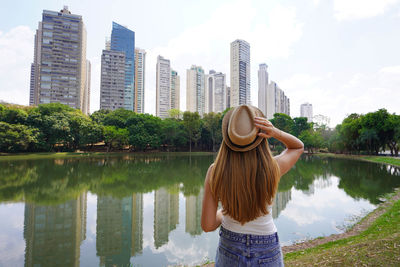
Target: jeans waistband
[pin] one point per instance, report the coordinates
(248, 238)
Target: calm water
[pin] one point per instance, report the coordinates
(145, 210)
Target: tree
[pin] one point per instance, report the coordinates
(115, 137)
(175, 114)
(212, 122)
(392, 128)
(99, 115)
(300, 124)
(191, 121)
(17, 137)
(118, 118)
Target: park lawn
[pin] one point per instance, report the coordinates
(379, 245)
(387, 160)
(378, 159)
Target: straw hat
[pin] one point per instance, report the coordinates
(238, 128)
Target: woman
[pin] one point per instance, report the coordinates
(244, 178)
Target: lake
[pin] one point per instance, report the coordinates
(144, 210)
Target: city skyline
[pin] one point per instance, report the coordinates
(316, 50)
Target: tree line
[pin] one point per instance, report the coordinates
(368, 133)
(57, 127)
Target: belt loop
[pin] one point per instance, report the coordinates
(248, 240)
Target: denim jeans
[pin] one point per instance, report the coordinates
(237, 249)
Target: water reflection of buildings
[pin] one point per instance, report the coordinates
(119, 229)
(280, 202)
(193, 214)
(166, 215)
(53, 234)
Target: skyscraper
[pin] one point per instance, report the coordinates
(86, 98)
(277, 101)
(112, 83)
(175, 90)
(58, 74)
(163, 87)
(215, 92)
(123, 39)
(140, 67)
(240, 73)
(262, 88)
(306, 110)
(195, 90)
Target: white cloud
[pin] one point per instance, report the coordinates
(337, 96)
(359, 9)
(16, 53)
(208, 43)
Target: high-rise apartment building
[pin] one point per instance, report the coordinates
(306, 110)
(263, 88)
(140, 67)
(195, 90)
(228, 97)
(112, 83)
(215, 92)
(277, 101)
(117, 87)
(86, 98)
(175, 90)
(58, 74)
(240, 73)
(163, 87)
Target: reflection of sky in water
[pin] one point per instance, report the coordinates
(321, 210)
(319, 213)
(12, 243)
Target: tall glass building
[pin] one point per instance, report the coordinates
(123, 39)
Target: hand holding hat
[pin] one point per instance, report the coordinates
(267, 129)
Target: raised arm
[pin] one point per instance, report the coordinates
(294, 147)
(210, 216)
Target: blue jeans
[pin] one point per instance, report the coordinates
(237, 249)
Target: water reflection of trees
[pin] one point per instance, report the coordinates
(359, 179)
(55, 181)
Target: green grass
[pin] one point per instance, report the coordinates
(379, 245)
(387, 160)
(53, 155)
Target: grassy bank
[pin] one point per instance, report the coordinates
(378, 245)
(53, 155)
(378, 159)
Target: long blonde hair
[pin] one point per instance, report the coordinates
(245, 182)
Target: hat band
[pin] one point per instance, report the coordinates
(239, 146)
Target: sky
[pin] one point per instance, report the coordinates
(342, 56)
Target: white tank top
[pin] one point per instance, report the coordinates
(263, 225)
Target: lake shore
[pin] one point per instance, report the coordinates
(49, 155)
(373, 241)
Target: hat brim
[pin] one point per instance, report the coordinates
(229, 143)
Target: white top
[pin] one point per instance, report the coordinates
(263, 225)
